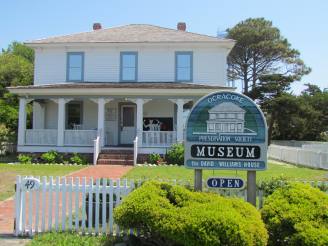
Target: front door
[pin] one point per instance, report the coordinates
(128, 124)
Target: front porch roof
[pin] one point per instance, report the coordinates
(117, 89)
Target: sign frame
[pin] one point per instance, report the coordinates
(228, 163)
(260, 134)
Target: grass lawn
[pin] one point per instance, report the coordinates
(8, 174)
(72, 239)
(275, 169)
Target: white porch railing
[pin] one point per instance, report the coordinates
(96, 149)
(158, 138)
(41, 137)
(135, 150)
(80, 137)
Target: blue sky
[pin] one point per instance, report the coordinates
(302, 22)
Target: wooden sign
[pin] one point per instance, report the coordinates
(226, 130)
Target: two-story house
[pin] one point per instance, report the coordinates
(119, 87)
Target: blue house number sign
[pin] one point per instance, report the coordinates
(226, 130)
(225, 183)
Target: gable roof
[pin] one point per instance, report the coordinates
(133, 33)
(226, 107)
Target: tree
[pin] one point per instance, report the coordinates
(293, 119)
(14, 70)
(311, 89)
(19, 49)
(270, 88)
(260, 49)
(16, 66)
(318, 100)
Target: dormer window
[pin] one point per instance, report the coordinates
(183, 66)
(129, 67)
(75, 66)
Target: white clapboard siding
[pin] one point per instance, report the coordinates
(62, 205)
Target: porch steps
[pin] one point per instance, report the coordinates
(116, 157)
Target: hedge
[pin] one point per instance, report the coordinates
(173, 215)
(297, 215)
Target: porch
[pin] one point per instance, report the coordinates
(73, 124)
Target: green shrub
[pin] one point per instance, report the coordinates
(173, 215)
(154, 158)
(78, 159)
(4, 138)
(269, 186)
(24, 159)
(51, 156)
(297, 214)
(175, 155)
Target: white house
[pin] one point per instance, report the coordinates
(226, 117)
(118, 85)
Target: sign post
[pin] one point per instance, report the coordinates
(226, 130)
(198, 180)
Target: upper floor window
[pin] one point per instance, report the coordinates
(183, 66)
(129, 67)
(75, 66)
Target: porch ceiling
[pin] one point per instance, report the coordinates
(117, 89)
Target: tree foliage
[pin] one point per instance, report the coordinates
(260, 49)
(16, 68)
(290, 117)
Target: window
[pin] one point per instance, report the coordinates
(212, 116)
(74, 115)
(183, 66)
(211, 127)
(129, 67)
(75, 66)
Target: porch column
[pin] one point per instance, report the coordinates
(180, 103)
(22, 121)
(61, 120)
(139, 102)
(101, 117)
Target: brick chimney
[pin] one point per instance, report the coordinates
(96, 26)
(181, 26)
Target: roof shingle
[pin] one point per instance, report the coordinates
(133, 33)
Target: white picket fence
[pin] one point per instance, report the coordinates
(302, 156)
(62, 204)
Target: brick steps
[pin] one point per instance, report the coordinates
(116, 157)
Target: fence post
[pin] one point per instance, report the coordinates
(43, 213)
(77, 193)
(18, 204)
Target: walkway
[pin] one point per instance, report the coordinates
(7, 207)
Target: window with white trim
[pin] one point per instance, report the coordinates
(183, 66)
(129, 67)
(75, 66)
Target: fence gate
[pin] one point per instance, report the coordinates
(77, 204)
